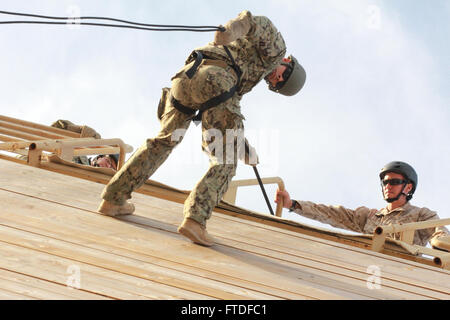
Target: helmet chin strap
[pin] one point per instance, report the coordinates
(390, 200)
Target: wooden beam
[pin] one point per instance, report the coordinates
(20, 134)
(395, 228)
(29, 124)
(35, 132)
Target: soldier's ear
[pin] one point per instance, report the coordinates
(408, 188)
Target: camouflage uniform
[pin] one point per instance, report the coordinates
(365, 220)
(84, 132)
(256, 54)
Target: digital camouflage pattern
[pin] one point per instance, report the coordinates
(257, 55)
(147, 159)
(84, 131)
(365, 220)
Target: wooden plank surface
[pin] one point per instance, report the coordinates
(310, 268)
(119, 264)
(101, 283)
(114, 233)
(161, 191)
(116, 248)
(10, 295)
(289, 241)
(40, 288)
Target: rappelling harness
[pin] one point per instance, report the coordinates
(198, 57)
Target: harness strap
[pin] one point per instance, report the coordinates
(198, 59)
(234, 64)
(180, 107)
(215, 101)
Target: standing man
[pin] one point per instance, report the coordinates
(398, 182)
(211, 84)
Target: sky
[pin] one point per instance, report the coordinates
(377, 90)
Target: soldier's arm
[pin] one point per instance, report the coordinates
(336, 216)
(258, 30)
(267, 39)
(431, 233)
(85, 131)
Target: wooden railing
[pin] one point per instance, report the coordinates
(32, 139)
(230, 195)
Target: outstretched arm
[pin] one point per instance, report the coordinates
(336, 216)
(260, 32)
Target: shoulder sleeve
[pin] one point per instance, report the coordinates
(336, 216)
(428, 234)
(266, 39)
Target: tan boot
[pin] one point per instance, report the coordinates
(195, 232)
(108, 209)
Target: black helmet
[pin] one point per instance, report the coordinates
(115, 157)
(295, 77)
(405, 170)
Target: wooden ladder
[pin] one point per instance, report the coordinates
(32, 139)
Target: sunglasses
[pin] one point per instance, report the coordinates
(393, 182)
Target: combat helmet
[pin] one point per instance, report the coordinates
(295, 77)
(406, 171)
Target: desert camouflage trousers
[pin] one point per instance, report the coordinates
(217, 123)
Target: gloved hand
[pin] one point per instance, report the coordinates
(234, 29)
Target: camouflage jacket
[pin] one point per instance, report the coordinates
(365, 220)
(256, 54)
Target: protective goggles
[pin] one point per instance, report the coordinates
(286, 75)
(393, 182)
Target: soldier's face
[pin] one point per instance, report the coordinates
(276, 75)
(105, 162)
(391, 190)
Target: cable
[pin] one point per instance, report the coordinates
(263, 190)
(108, 25)
(75, 21)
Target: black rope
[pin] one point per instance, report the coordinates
(107, 25)
(263, 190)
(132, 25)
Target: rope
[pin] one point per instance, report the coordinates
(263, 190)
(125, 23)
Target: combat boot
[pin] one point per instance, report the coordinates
(195, 232)
(108, 209)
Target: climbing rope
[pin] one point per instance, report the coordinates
(124, 23)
